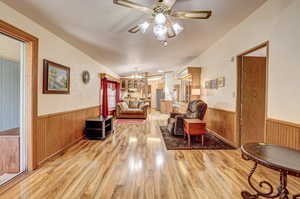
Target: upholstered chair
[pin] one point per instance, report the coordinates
(196, 110)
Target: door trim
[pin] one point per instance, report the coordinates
(31, 45)
(239, 83)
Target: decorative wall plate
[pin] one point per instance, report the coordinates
(86, 77)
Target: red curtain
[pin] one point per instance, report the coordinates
(104, 84)
(118, 92)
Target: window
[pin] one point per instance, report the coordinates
(111, 96)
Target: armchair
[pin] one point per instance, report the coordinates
(196, 110)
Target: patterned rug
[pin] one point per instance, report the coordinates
(211, 142)
(131, 121)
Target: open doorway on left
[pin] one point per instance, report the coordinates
(12, 111)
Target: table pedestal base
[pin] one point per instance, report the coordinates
(281, 193)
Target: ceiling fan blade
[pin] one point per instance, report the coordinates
(135, 29)
(130, 4)
(171, 32)
(201, 14)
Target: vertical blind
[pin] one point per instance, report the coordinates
(9, 94)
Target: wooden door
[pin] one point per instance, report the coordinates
(253, 99)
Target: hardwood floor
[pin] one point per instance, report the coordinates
(134, 163)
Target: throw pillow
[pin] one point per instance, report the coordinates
(123, 106)
(133, 104)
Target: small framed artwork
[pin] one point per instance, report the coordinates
(221, 82)
(214, 84)
(56, 78)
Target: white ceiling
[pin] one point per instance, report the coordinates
(99, 28)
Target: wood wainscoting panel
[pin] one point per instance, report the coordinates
(10, 154)
(283, 133)
(56, 132)
(222, 122)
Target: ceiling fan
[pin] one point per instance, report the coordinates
(162, 13)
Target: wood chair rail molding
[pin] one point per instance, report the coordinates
(66, 112)
(32, 44)
(286, 123)
(223, 110)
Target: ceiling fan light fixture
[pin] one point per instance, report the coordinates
(160, 31)
(144, 27)
(160, 18)
(177, 28)
(161, 12)
(165, 43)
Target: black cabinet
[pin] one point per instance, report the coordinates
(98, 128)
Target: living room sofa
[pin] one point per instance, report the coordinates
(132, 110)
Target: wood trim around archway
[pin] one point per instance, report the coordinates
(32, 44)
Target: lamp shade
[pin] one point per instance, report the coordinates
(196, 91)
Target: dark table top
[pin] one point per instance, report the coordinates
(274, 156)
(100, 119)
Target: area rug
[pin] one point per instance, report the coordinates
(211, 142)
(130, 121)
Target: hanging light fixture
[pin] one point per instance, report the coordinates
(160, 31)
(144, 26)
(177, 28)
(162, 11)
(160, 19)
(163, 28)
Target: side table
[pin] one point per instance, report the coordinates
(194, 127)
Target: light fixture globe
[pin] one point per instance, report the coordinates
(177, 28)
(160, 18)
(160, 31)
(144, 26)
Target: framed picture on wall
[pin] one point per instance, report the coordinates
(56, 78)
(207, 84)
(214, 84)
(221, 82)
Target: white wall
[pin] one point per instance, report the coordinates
(278, 22)
(55, 49)
(169, 85)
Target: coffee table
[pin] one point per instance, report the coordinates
(282, 159)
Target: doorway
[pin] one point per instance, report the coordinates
(252, 94)
(28, 120)
(13, 159)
